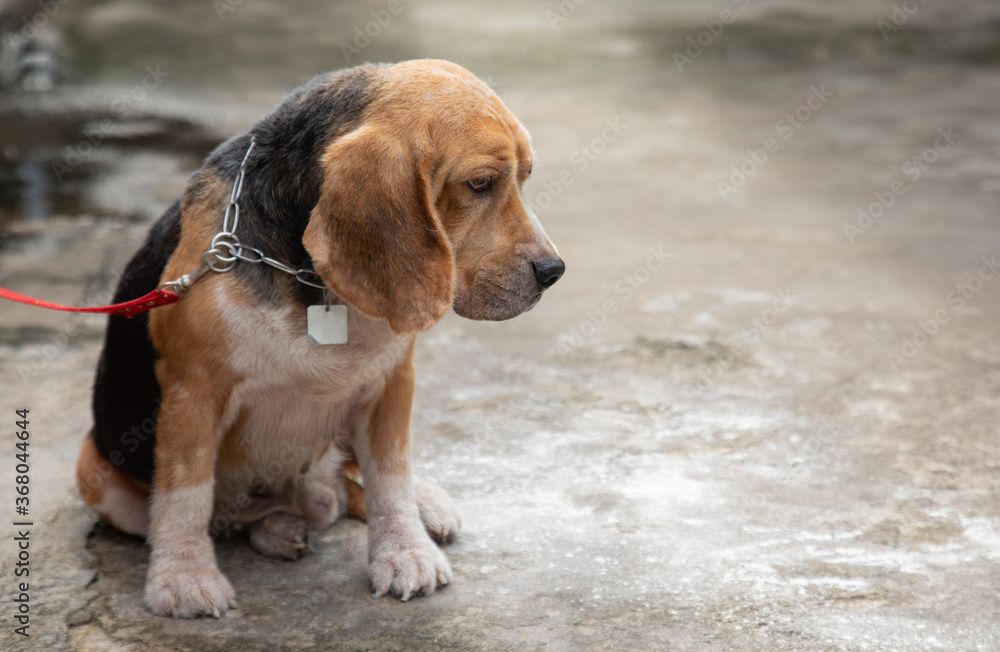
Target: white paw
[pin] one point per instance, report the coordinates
(188, 592)
(438, 513)
(402, 559)
(281, 536)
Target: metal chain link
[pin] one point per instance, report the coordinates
(226, 249)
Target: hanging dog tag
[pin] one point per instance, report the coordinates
(327, 324)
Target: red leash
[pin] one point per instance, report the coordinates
(154, 299)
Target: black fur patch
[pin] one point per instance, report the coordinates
(126, 393)
(283, 177)
(281, 186)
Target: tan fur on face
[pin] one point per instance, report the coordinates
(374, 237)
(396, 192)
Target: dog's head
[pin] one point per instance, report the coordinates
(421, 207)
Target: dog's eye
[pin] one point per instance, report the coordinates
(482, 184)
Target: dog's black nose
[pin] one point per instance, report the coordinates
(549, 271)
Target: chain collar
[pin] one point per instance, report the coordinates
(226, 249)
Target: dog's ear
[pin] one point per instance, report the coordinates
(374, 236)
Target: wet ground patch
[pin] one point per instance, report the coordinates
(50, 161)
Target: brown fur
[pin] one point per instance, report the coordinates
(355, 491)
(398, 235)
(106, 489)
(389, 420)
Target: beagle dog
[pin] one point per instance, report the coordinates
(397, 188)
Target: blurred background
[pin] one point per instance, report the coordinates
(757, 413)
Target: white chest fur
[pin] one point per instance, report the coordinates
(294, 395)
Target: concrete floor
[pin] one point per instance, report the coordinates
(735, 424)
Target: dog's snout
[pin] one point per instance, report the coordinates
(549, 271)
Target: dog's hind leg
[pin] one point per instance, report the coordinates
(281, 536)
(112, 495)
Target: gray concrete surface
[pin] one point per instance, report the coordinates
(707, 449)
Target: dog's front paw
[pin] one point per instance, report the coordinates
(188, 592)
(403, 560)
(438, 513)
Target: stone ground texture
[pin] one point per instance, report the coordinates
(713, 451)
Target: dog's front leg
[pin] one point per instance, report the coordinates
(183, 578)
(402, 558)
